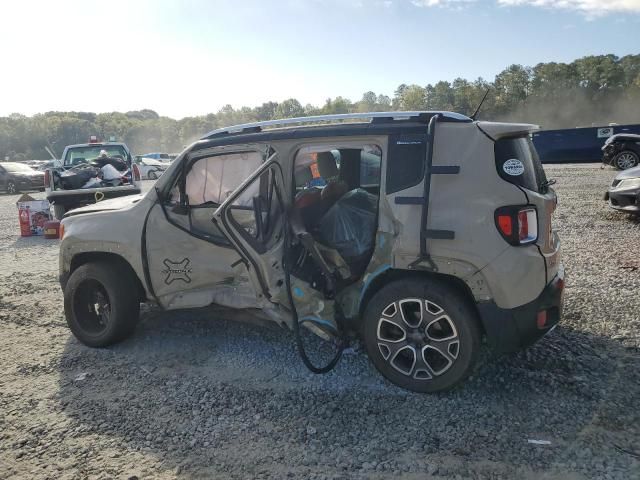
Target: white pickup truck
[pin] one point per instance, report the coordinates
(65, 198)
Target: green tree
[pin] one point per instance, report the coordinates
(289, 108)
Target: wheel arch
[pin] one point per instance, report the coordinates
(632, 146)
(89, 257)
(392, 275)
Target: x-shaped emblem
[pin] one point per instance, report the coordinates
(177, 271)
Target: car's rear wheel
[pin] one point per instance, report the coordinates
(626, 159)
(101, 303)
(421, 335)
(12, 189)
(152, 175)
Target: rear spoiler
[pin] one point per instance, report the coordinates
(497, 130)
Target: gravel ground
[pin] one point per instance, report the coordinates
(197, 395)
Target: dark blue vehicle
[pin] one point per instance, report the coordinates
(576, 144)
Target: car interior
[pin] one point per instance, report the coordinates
(334, 213)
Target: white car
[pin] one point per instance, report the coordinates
(149, 168)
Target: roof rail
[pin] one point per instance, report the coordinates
(255, 127)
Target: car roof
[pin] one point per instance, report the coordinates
(304, 123)
(625, 135)
(101, 144)
(14, 163)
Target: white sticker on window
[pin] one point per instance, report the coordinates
(513, 167)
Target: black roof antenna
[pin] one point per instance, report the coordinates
(475, 114)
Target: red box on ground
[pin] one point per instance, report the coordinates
(32, 214)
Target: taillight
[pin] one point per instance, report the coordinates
(518, 225)
(47, 178)
(136, 173)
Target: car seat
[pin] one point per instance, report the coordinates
(335, 187)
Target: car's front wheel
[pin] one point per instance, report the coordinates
(152, 175)
(626, 159)
(12, 189)
(421, 335)
(101, 303)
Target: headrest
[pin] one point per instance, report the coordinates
(327, 165)
(303, 176)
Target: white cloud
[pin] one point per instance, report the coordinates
(441, 3)
(591, 8)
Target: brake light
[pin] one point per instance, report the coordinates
(505, 225)
(61, 231)
(518, 225)
(136, 173)
(47, 178)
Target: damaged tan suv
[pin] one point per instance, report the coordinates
(420, 232)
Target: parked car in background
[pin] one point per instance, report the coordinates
(164, 157)
(150, 168)
(34, 163)
(49, 164)
(581, 144)
(624, 193)
(68, 187)
(622, 151)
(18, 177)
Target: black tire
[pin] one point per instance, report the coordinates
(59, 211)
(446, 319)
(12, 188)
(625, 160)
(94, 322)
(152, 175)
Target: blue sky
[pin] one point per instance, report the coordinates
(185, 58)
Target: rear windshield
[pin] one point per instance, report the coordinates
(78, 155)
(517, 162)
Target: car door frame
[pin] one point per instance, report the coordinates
(258, 273)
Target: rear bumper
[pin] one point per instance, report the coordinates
(509, 330)
(75, 198)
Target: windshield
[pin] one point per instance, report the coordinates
(16, 167)
(78, 155)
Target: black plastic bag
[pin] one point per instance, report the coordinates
(349, 226)
(75, 178)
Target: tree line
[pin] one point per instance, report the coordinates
(591, 90)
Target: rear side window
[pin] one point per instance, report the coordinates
(517, 162)
(407, 155)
